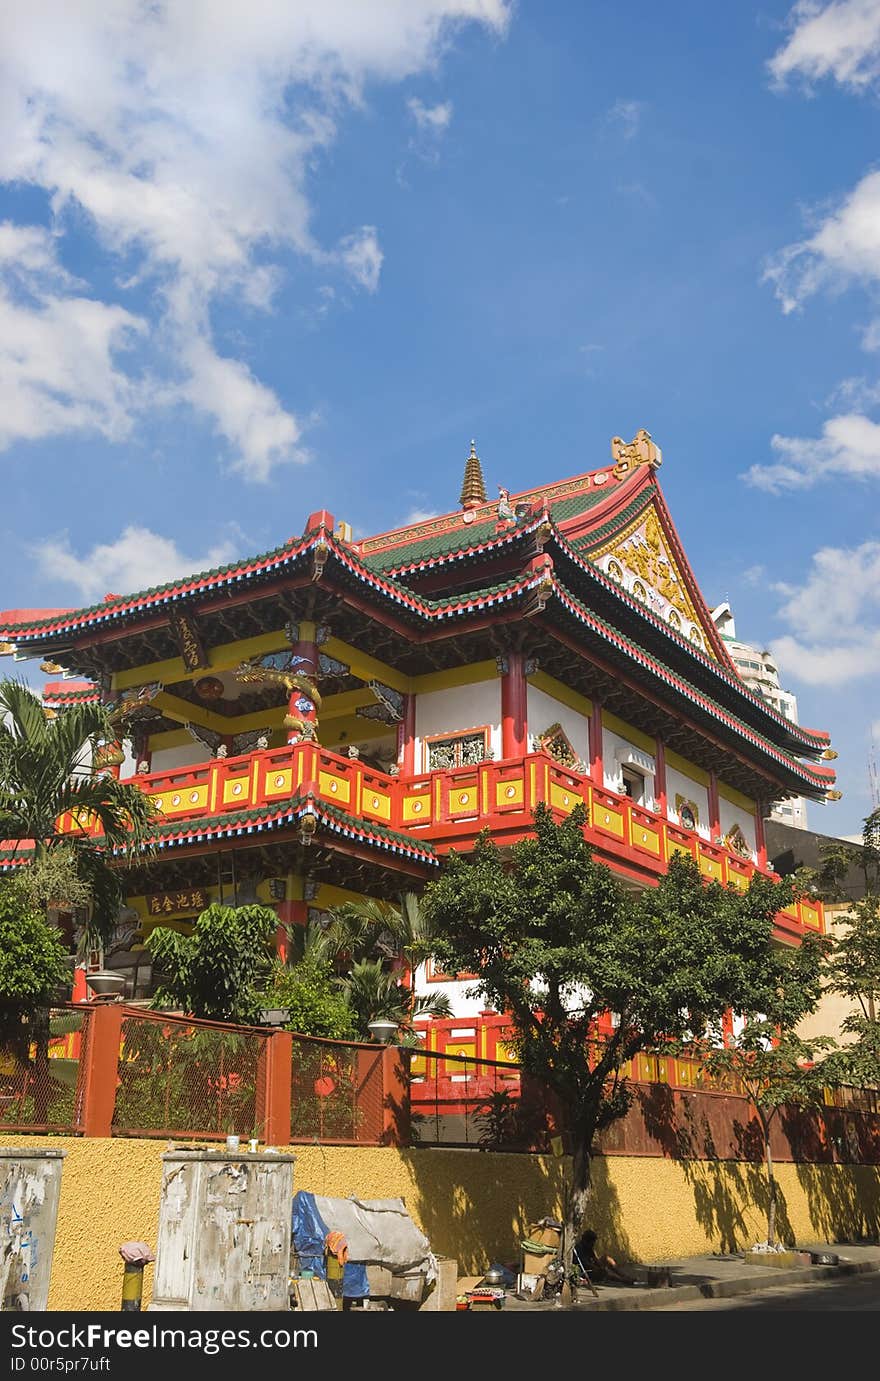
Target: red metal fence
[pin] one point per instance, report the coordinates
(114, 1070)
(462, 1101)
(44, 1092)
(123, 1071)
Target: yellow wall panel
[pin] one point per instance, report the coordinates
(335, 788)
(510, 793)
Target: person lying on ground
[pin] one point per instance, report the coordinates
(598, 1267)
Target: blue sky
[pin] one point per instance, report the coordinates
(252, 264)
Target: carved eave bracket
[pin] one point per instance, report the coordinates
(389, 708)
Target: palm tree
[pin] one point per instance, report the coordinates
(381, 930)
(46, 770)
(370, 935)
(373, 993)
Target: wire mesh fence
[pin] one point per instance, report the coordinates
(187, 1078)
(336, 1092)
(456, 1100)
(41, 1088)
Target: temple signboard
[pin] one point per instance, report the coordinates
(168, 903)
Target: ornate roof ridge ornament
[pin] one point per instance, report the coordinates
(473, 488)
(629, 456)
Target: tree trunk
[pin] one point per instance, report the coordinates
(580, 1191)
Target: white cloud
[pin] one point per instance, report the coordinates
(362, 257)
(59, 352)
(244, 411)
(834, 618)
(185, 136)
(839, 40)
(624, 117)
(135, 561)
(433, 119)
(419, 515)
(871, 337)
(849, 445)
(845, 247)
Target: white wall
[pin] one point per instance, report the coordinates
(455, 989)
(678, 784)
(731, 815)
(184, 755)
(544, 710)
(615, 752)
(455, 711)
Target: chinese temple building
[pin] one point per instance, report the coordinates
(327, 720)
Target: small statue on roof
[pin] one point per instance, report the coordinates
(505, 511)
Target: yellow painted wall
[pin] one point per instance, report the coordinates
(472, 1205)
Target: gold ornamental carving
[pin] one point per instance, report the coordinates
(629, 456)
(642, 550)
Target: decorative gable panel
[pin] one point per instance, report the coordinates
(640, 560)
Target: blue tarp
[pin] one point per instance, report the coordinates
(309, 1235)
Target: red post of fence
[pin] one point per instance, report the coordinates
(101, 1060)
(273, 1090)
(395, 1097)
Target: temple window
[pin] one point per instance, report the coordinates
(458, 750)
(633, 785)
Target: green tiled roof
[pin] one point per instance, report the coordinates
(464, 538)
(438, 544)
(597, 535)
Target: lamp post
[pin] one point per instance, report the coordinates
(383, 1030)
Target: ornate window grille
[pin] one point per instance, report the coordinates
(459, 750)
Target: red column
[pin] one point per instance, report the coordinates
(597, 768)
(395, 1100)
(406, 737)
(101, 1060)
(301, 709)
(660, 775)
(289, 913)
(273, 1088)
(760, 840)
(714, 809)
(514, 712)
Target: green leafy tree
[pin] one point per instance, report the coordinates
(32, 965)
(854, 971)
(45, 771)
(371, 929)
(314, 1003)
(556, 941)
(775, 1068)
(220, 970)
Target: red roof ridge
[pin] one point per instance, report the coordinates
(53, 688)
(13, 616)
(443, 522)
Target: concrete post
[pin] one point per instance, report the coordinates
(30, 1187)
(224, 1231)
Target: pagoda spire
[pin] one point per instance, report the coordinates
(473, 489)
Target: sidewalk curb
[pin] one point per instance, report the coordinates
(725, 1289)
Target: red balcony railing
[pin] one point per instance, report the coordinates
(449, 808)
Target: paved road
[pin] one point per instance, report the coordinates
(861, 1293)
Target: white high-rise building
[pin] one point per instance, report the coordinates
(759, 671)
